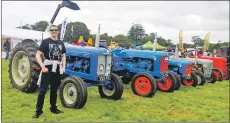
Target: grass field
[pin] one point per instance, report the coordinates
(206, 103)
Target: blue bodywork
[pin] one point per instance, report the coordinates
(179, 66)
(83, 62)
(129, 62)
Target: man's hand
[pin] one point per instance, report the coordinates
(63, 69)
(44, 69)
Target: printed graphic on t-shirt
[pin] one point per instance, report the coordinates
(55, 51)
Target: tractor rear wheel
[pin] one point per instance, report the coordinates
(193, 81)
(169, 84)
(213, 78)
(178, 81)
(125, 80)
(143, 84)
(73, 92)
(227, 76)
(219, 75)
(23, 67)
(201, 78)
(113, 90)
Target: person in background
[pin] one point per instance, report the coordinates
(7, 47)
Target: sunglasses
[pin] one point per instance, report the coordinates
(53, 30)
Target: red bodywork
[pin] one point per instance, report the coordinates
(218, 62)
(164, 64)
(188, 70)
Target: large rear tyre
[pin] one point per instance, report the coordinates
(23, 67)
(73, 92)
(143, 84)
(169, 84)
(227, 76)
(125, 80)
(219, 75)
(178, 81)
(113, 90)
(193, 81)
(213, 78)
(201, 78)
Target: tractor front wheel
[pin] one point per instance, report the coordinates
(73, 92)
(169, 84)
(113, 90)
(143, 84)
(193, 81)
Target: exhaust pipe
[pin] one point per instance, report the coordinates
(98, 37)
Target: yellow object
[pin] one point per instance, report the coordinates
(80, 39)
(181, 41)
(206, 41)
(90, 42)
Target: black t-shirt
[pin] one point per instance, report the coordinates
(52, 49)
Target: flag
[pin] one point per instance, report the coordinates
(206, 41)
(181, 41)
(63, 29)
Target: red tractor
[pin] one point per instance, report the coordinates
(219, 64)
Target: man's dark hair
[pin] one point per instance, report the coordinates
(53, 26)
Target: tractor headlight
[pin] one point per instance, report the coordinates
(166, 58)
(155, 59)
(180, 65)
(101, 67)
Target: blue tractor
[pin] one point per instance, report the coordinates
(183, 68)
(147, 70)
(85, 66)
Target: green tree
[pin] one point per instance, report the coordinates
(136, 33)
(79, 29)
(40, 26)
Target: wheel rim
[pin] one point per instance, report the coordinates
(226, 76)
(109, 89)
(166, 85)
(199, 79)
(70, 93)
(143, 85)
(217, 74)
(188, 82)
(20, 68)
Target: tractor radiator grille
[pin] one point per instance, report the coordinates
(188, 70)
(164, 64)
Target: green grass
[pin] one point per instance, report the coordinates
(202, 104)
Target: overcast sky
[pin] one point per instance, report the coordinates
(116, 17)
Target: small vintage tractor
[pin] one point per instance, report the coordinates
(146, 69)
(219, 65)
(85, 66)
(183, 68)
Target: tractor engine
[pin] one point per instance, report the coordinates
(78, 64)
(135, 63)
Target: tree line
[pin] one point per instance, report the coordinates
(135, 34)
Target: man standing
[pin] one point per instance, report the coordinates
(52, 68)
(7, 46)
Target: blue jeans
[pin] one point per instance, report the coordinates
(7, 54)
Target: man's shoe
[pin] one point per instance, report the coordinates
(37, 114)
(57, 111)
